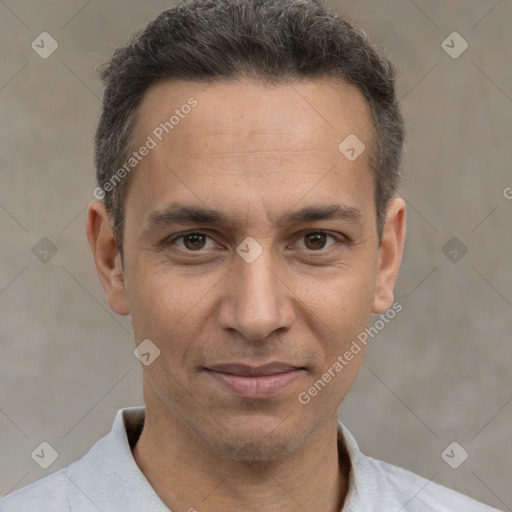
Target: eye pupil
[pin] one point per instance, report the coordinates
(194, 237)
(316, 244)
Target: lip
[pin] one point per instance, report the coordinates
(255, 381)
(253, 371)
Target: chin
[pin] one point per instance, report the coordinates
(261, 448)
(254, 442)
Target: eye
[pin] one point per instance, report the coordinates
(193, 241)
(316, 240)
(196, 241)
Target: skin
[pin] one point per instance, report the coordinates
(252, 152)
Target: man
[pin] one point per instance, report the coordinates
(248, 220)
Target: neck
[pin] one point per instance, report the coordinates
(187, 475)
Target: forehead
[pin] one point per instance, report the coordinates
(299, 113)
(250, 143)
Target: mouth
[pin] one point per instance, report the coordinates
(248, 381)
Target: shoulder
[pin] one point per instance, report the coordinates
(51, 489)
(418, 494)
(378, 485)
(105, 478)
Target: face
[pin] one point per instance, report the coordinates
(252, 259)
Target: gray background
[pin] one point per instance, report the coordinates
(439, 372)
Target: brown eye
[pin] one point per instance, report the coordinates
(316, 241)
(194, 241)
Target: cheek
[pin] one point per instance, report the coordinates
(339, 313)
(169, 307)
(344, 297)
(340, 320)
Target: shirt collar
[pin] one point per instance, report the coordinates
(109, 477)
(362, 485)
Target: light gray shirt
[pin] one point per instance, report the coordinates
(107, 479)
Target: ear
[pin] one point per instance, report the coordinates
(106, 256)
(390, 255)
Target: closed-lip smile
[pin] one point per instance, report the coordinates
(249, 381)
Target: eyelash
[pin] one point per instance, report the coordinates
(340, 239)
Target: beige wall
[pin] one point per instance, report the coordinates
(439, 372)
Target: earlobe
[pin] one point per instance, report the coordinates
(107, 258)
(390, 255)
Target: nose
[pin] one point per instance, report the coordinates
(257, 301)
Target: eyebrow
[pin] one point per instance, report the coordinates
(177, 213)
